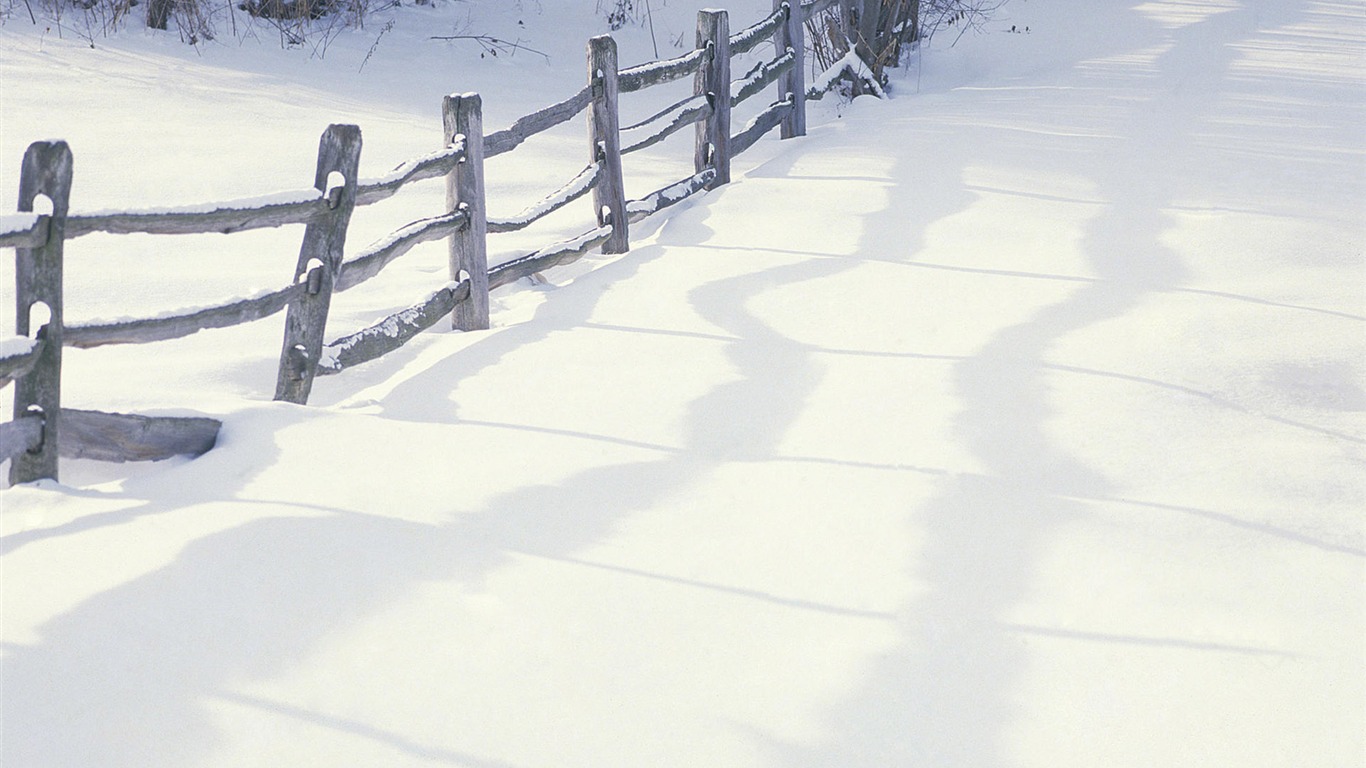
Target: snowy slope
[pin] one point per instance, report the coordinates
(1015, 421)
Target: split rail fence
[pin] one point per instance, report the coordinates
(42, 429)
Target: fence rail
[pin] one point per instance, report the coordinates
(42, 429)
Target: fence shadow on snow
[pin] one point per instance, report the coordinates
(42, 430)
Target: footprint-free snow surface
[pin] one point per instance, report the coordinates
(1016, 420)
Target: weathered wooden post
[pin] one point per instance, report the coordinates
(609, 194)
(38, 280)
(713, 80)
(792, 85)
(462, 115)
(320, 259)
(860, 24)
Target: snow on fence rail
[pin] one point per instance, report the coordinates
(42, 429)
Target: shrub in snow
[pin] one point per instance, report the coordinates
(880, 36)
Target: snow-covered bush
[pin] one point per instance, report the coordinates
(880, 36)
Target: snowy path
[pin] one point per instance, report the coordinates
(1015, 423)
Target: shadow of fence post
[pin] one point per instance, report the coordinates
(30, 441)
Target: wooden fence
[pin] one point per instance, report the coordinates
(42, 430)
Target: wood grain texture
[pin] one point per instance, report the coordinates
(711, 147)
(791, 37)
(574, 189)
(812, 7)
(561, 253)
(148, 330)
(762, 123)
(684, 118)
(604, 135)
(379, 255)
(223, 220)
(433, 166)
(14, 366)
(46, 171)
(669, 195)
(750, 37)
(320, 259)
(658, 72)
(764, 75)
(392, 332)
(121, 437)
(506, 140)
(32, 237)
(462, 115)
(20, 436)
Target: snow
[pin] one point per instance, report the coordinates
(16, 346)
(456, 148)
(285, 197)
(188, 310)
(1016, 420)
(576, 186)
(17, 222)
(849, 64)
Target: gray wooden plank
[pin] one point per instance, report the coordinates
(763, 76)
(577, 187)
(659, 72)
(711, 148)
(121, 437)
(20, 436)
(392, 332)
(750, 37)
(566, 252)
(46, 171)
(237, 216)
(791, 37)
(16, 364)
(381, 254)
(29, 231)
(184, 324)
(320, 260)
(525, 127)
(432, 166)
(462, 115)
(669, 195)
(762, 123)
(609, 195)
(812, 7)
(683, 119)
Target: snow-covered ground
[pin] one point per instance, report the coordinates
(1017, 420)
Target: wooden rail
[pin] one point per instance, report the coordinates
(577, 187)
(42, 429)
(18, 357)
(537, 122)
(23, 230)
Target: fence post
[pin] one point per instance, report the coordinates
(462, 114)
(38, 280)
(860, 27)
(320, 259)
(713, 80)
(609, 194)
(792, 85)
